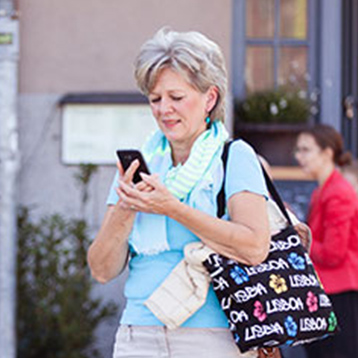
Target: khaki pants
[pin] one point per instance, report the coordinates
(153, 342)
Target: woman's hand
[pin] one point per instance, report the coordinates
(149, 196)
(305, 235)
(127, 178)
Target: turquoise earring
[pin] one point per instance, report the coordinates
(207, 120)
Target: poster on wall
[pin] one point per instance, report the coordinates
(91, 133)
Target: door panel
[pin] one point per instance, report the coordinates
(350, 75)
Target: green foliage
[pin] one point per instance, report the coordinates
(274, 106)
(57, 315)
(84, 177)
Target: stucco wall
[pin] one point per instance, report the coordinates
(77, 45)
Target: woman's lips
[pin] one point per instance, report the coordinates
(170, 123)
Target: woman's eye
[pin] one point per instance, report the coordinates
(154, 100)
(177, 98)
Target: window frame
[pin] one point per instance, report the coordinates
(240, 43)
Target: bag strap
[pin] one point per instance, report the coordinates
(220, 199)
(270, 186)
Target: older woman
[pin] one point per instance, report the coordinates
(184, 77)
(333, 219)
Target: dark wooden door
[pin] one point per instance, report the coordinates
(350, 75)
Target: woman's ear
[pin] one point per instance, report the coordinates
(212, 98)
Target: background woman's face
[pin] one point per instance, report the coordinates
(309, 155)
(179, 109)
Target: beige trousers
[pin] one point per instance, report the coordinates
(155, 342)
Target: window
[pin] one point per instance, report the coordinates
(276, 43)
(273, 45)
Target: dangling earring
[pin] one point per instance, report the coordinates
(208, 122)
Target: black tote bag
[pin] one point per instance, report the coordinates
(279, 302)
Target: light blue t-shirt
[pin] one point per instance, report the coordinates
(147, 272)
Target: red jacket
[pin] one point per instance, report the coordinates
(333, 219)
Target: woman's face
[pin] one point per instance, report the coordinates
(310, 156)
(180, 110)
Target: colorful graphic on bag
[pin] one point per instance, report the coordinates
(279, 302)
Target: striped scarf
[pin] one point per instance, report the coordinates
(181, 181)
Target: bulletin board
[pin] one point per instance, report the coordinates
(92, 131)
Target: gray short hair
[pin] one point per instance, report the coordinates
(191, 54)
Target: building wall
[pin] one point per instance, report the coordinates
(90, 44)
(79, 46)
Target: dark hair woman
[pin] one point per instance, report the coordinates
(333, 218)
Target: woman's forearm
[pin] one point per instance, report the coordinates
(107, 255)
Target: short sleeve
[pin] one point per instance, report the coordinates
(243, 171)
(112, 197)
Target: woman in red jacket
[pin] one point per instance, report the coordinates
(333, 218)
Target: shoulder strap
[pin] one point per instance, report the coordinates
(270, 186)
(276, 196)
(220, 199)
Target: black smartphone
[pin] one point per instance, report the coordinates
(126, 157)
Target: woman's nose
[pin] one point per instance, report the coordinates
(166, 106)
(299, 158)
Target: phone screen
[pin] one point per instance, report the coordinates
(126, 157)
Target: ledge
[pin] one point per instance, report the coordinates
(103, 98)
(288, 173)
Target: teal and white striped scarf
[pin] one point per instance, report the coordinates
(149, 231)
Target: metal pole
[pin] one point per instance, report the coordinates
(9, 159)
